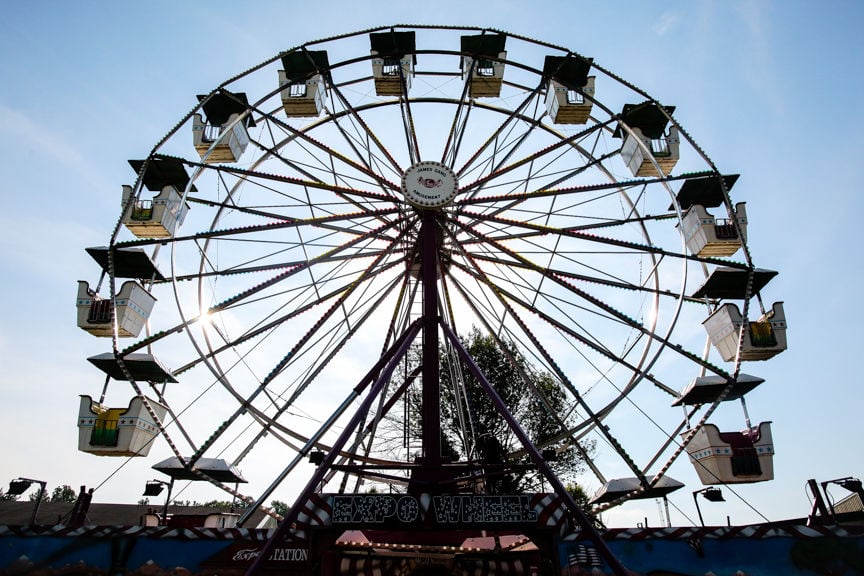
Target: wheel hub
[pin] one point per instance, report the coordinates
(429, 185)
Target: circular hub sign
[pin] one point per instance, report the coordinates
(429, 185)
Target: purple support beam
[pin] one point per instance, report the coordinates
(429, 240)
(392, 358)
(578, 515)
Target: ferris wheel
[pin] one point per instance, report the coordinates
(298, 257)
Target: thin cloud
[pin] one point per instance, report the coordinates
(759, 66)
(16, 126)
(666, 22)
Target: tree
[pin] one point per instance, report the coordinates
(581, 498)
(225, 504)
(5, 496)
(471, 425)
(36, 494)
(63, 493)
(280, 507)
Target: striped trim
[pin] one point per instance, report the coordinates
(254, 534)
(726, 532)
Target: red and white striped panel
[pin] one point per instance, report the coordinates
(361, 567)
(493, 568)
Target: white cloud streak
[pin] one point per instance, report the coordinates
(667, 21)
(16, 126)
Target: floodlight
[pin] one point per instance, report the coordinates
(18, 487)
(154, 487)
(711, 494)
(317, 457)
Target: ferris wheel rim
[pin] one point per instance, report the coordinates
(638, 375)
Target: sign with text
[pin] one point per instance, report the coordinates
(456, 510)
(287, 559)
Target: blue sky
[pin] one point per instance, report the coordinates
(768, 89)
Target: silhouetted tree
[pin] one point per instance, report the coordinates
(280, 507)
(492, 440)
(36, 493)
(64, 493)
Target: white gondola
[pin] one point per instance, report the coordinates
(228, 141)
(156, 218)
(569, 90)
(640, 152)
(222, 137)
(133, 308)
(647, 147)
(390, 72)
(484, 62)
(706, 235)
(567, 105)
(302, 82)
(763, 338)
(486, 75)
(732, 457)
(128, 431)
(393, 59)
(301, 98)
